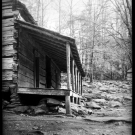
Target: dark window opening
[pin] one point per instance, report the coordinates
(37, 72)
(48, 72)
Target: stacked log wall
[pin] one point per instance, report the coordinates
(9, 46)
(26, 62)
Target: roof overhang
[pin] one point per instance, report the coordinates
(54, 44)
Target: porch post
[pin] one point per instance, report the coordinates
(67, 98)
(81, 85)
(73, 76)
(77, 81)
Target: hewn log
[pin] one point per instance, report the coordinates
(10, 28)
(26, 62)
(6, 14)
(7, 75)
(26, 71)
(25, 84)
(24, 50)
(6, 1)
(9, 42)
(7, 63)
(8, 53)
(7, 22)
(21, 77)
(5, 89)
(7, 83)
(7, 47)
(30, 40)
(4, 11)
(6, 7)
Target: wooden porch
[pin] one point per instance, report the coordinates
(47, 91)
(69, 95)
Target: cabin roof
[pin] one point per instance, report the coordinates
(54, 44)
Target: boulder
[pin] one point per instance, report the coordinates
(12, 105)
(102, 101)
(99, 100)
(114, 104)
(109, 97)
(42, 106)
(84, 111)
(43, 101)
(127, 97)
(99, 84)
(74, 108)
(62, 110)
(54, 109)
(92, 105)
(114, 89)
(5, 103)
(20, 109)
(51, 101)
(103, 88)
(40, 111)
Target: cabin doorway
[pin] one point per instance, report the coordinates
(48, 72)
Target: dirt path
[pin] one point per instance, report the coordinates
(58, 125)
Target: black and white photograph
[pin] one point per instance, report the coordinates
(66, 67)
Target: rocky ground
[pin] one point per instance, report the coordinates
(106, 109)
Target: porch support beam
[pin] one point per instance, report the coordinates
(67, 98)
(77, 81)
(81, 85)
(73, 76)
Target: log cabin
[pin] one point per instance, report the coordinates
(34, 57)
